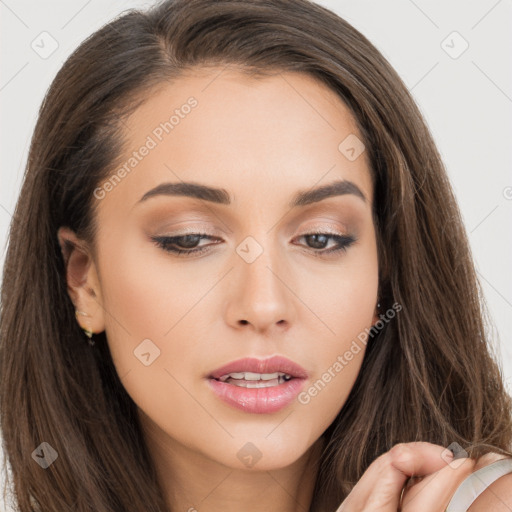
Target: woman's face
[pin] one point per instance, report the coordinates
(264, 286)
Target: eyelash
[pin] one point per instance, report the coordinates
(166, 243)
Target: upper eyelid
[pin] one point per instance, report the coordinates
(213, 233)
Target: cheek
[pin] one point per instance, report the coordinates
(343, 296)
(337, 360)
(145, 296)
(152, 326)
(345, 308)
(328, 391)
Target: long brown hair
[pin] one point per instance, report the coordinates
(428, 375)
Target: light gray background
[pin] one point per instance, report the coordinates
(466, 101)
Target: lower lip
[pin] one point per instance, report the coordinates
(258, 400)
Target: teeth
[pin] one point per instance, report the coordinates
(233, 376)
(259, 384)
(250, 376)
(260, 376)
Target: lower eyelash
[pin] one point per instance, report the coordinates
(344, 242)
(167, 243)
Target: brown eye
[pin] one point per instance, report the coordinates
(319, 241)
(183, 244)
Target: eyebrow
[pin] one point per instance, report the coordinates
(221, 196)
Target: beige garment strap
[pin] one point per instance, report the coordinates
(476, 483)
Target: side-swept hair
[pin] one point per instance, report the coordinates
(429, 375)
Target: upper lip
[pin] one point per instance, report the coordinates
(269, 365)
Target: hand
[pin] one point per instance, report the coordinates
(379, 489)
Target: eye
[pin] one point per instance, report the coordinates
(189, 242)
(319, 241)
(184, 245)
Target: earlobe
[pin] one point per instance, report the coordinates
(82, 281)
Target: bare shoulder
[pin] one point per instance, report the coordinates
(497, 497)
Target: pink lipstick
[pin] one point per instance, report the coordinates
(259, 386)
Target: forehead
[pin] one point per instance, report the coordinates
(251, 135)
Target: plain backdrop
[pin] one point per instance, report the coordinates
(454, 56)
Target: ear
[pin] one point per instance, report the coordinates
(82, 280)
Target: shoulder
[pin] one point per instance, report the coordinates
(497, 497)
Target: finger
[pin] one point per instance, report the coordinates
(438, 489)
(435, 491)
(380, 486)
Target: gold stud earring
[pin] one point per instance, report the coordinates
(87, 332)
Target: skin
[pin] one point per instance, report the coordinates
(262, 140)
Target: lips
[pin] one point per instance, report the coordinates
(275, 364)
(258, 386)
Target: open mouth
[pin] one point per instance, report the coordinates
(255, 380)
(258, 386)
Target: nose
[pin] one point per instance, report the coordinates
(262, 297)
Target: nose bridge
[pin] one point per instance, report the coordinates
(261, 296)
(260, 263)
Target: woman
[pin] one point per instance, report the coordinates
(241, 206)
